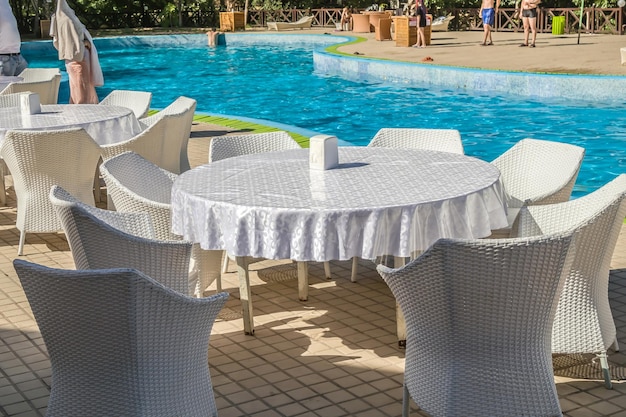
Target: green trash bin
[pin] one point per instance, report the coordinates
(558, 25)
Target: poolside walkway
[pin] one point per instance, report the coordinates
(334, 355)
(596, 54)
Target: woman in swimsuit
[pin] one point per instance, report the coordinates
(529, 17)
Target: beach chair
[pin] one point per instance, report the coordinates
(441, 23)
(304, 23)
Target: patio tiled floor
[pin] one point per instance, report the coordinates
(334, 355)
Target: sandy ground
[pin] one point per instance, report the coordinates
(596, 54)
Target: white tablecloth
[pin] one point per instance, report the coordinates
(377, 202)
(105, 124)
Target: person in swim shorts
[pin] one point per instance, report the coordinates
(421, 13)
(529, 18)
(488, 15)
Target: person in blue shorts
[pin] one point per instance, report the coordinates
(488, 14)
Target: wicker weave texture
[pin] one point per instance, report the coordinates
(223, 147)
(137, 185)
(97, 242)
(179, 118)
(40, 159)
(121, 344)
(478, 318)
(137, 101)
(583, 322)
(443, 140)
(11, 100)
(538, 172)
(43, 81)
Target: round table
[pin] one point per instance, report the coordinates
(378, 201)
(105, 124)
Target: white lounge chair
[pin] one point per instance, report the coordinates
(304, 23)
(441, 23)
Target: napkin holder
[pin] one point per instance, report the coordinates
(29, 103)
(323, 152)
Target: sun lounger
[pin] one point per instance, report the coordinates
(441, 23)
(303, 23)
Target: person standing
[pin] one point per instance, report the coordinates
(12, 62)
(420, 12)
(529, 18)
(75, 45)
(488, 15)
(346, 17)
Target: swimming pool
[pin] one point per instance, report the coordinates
(270, 77)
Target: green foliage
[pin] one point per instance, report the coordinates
(168, 15)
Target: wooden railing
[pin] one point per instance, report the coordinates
(594, 20)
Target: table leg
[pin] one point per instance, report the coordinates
(245, 294)
(303, 281)
(355, 268)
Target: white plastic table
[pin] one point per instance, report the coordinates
(378, 202)
(105, 124)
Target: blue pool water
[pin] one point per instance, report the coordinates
(277, 82)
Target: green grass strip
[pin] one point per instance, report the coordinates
(248, 127)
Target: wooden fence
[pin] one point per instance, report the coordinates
(594, 20)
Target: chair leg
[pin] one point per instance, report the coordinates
(406, 398)
(225, 261)
(303, 280)
(327, 270)
(20, 248)
(605, 370)
(3, 196)
(355, 268)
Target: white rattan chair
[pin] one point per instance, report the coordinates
(583, 322)
(479, 316)
(121, 343)
(152, 143)
(137, 101)
(179, 118)
(43, 81)
(40, 159)
(103, 239)
(11, 100)
(444, 140)
(135, 185)
(223, 147)
(536, 172)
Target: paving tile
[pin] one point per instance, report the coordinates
(334, 355)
